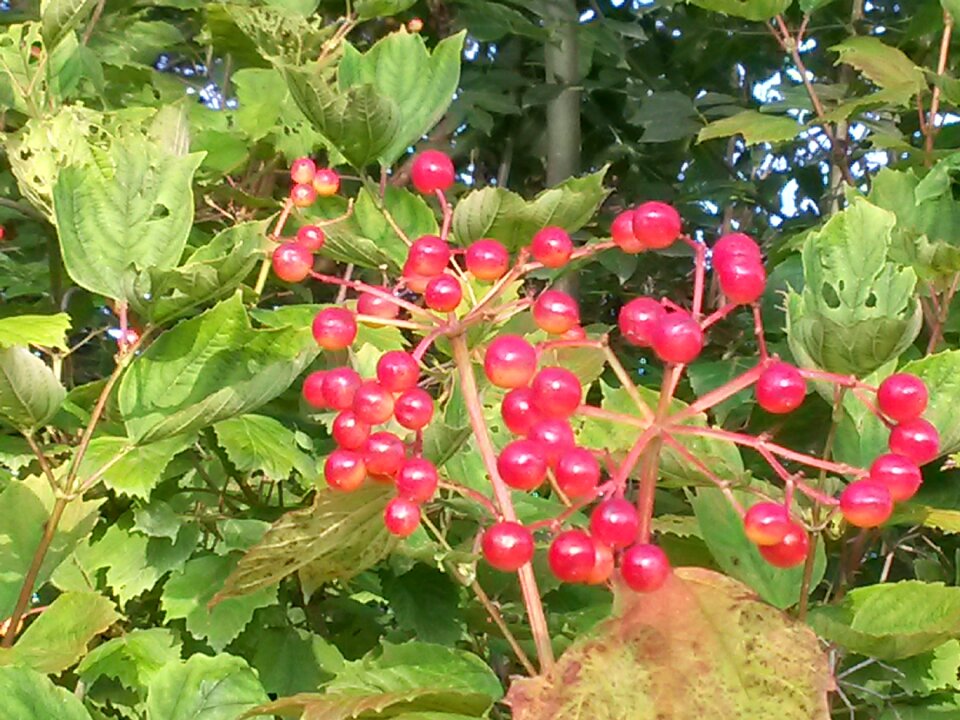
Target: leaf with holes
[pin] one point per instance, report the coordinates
(60, 17)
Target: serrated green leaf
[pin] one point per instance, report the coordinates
(30, 393)
(261, 443)
(139, 468)
(28, 695)
(370, 9)
(210, 368)
(941, 373)
(204, 688)
(43, 330)
(60, 17)
(157, 519)
(755, 127)
(424, 602)
(884, 65)
(289, 660)
(747, 9)
(132, 659)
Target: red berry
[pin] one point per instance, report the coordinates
(902, 397)
(554, 435)
(349, 431)
(639, 319)
(621, 230)
(415, 25)
(311, 237)
(677, 338)
(507, 546)
(577, 472)
(556, 392)
(383, 454)
(735, 245)
(377, 306)
(572, 556)
(574, 333)
(866, 503)
(326, 182)
(656, 225)
(414, 282)
(615, 522)
(915, 439)
(344, 470)
(397, 370)
(313, 390)
(414, 409)
(522, 465)
(292, 262)
(401, 517)
(487, 260)
(767, 523)
(303, 195)
(900, 475)
(443, 293)
(552, 247)
(602, 564)
(789, 552)
(644, 568)
(556, 312)
(518, 411)
(742, 279)
(510, 361)
(428, 256)
(432, 170)
(417, 480)
(339, 387)
(780, 389)
(334, 328)
(302, 170)
(373, 403)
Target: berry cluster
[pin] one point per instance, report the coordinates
(445, 291)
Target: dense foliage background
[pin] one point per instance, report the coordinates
(146, 147)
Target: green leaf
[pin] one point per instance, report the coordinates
(886, 66)
(60, 17)
(505, 216)
(809, 6)
(421, 84)
(130, 210)
(58, 638)
(210, 368)
(755, 127)
(289, 660)
(857, 311)
(139, 469)
(204, 688)
(931, 672)
(261, 443)
(187, 593)
(424, 601)
(132, 659)
(702, 646)
(892, 620)
(340, 536)
(747, 9)
(721, 527)
(667, 116)
(28, 695)
(952, 7)
(43, 330)
(371, 9)
(30, 393)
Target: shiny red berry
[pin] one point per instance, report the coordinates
(552, 247)
(302, 170)
(443, 293)
(602, 564)
(677, 338)
(311, 237)
(349, 431)
(866, 503)
(767, 523)
(735, 245)
(639, 319)
(656, 225)
(507, 546)
(572, 556)
(898, 474)
(577, 472)
(383, 454)
(326, 182)
(780, 389)
(339, 387)
(334, 328)
(902, 397)
(621, 230)
(428, 256)
(377, 306)
(510, 361)
(414, 409)
(789, 552)
(432, 170)
(401, 517)
(615, 522)
(417, 480)
(397, 370)
(344, 470)
(313, 390)
(292, 262)
(742, 280)
(373, 403)
(522, 465)
(556, 312)
(303, 195)
(644, 567)
(916, 439)
(556, 392)
(487, 260)
(554, 435)
(518, 411)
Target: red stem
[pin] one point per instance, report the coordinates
(700, 264)
(373, 290)
(758, 332)
(718, 395)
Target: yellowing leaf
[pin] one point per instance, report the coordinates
(754, 126)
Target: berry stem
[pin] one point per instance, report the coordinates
(581, 252)
(758, 332)
(339, 219)
(718, 315)
(274, 236)
(363, 287)
(718, 395)
(843, 381)
(447, 215)
(700, 265)
(528, 582)
(393, 322)
(477, 497)
(628, 384)
(723, 485)
(610, 416)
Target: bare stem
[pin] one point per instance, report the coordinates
(931, 129)
(42, 459)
